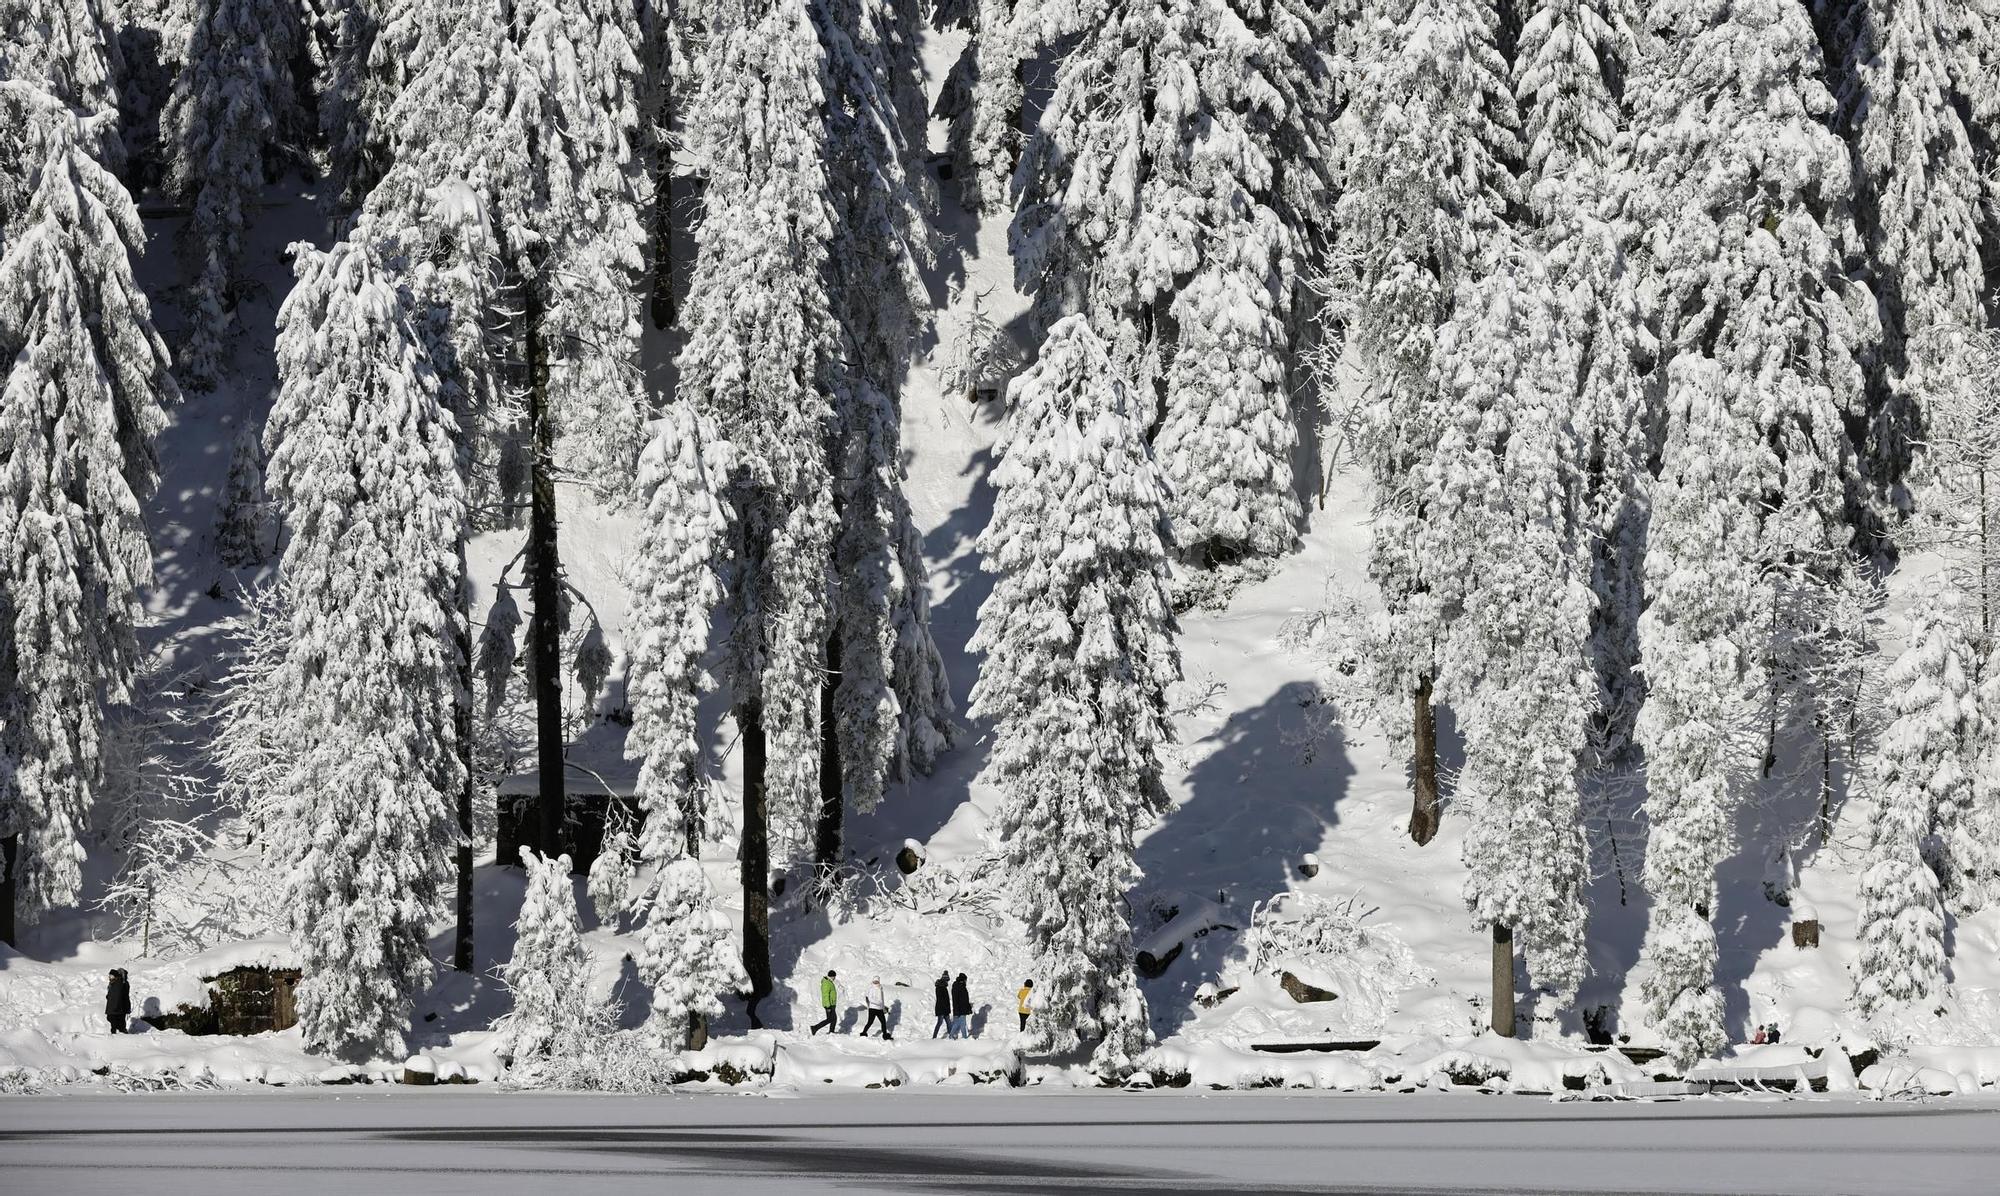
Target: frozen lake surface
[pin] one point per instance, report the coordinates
(390, 1142)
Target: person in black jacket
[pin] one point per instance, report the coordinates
(118, 1001)
(942, 1006)
(961, 1009)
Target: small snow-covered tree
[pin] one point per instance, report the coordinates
(368, 691)
(1079, 637)
(555, 1013)
(689, 954)
(224, 116)
(82, 392)
(247, 532)
(1921, 783)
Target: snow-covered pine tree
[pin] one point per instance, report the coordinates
(1743, 191)
(1921, 194)
(67, 48)
(1176, 191)
(82, 393)
(222, 121)
(1920, 780)
(364, 466)
(689, 958)
(1079, 637)
(890, 702)
(555, 1014)
(1427, 138)
(246, 534)
(688, 954)
(1513, 536)
(761, 336)
(981, 101)
(1569, 77)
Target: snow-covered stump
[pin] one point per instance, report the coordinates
(419, 1071)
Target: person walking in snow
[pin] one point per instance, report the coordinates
(1021, 1002)
(878, 1009)
(961, 1009)
(118, 1001)
(942, 1006)
(829, 999)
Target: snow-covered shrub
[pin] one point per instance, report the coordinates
(689, 957)
(555, 1012)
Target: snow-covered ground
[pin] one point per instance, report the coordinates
(968, 1141)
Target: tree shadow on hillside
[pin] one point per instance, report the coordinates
(1266, 795)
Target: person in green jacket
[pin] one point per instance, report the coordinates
(829, 999)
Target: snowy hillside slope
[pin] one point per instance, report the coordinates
(1260, 779)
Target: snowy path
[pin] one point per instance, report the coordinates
(389, 1143)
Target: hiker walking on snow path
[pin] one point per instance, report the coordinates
(1021, 1002)
(118, 1001)
(943, 1005)
(829, 999)
(961, 1009)
(878, 1009)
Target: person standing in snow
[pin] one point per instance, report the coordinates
(118, 1001)
(1021, 1001)
(961, 1009)
(829, 999)
(942, 1006)
(878, 1009)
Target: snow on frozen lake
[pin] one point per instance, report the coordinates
(941, 1141)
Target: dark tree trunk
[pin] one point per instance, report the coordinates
(10, 851)
(756, 860)
(1503, 981)
(1424, 769)
(461, 947)
(544, 585)
(828, 830)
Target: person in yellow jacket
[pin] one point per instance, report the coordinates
(829, 1000)
(1021, 1001)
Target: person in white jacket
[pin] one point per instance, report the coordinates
(878, 1009)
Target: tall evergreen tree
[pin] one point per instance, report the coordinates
(223, 120)
(1920, 775)
(1079, 636)
(82, 394)
(1425, 186)
(981, 101)
(1176, 192)
(364, 464)
(761, 337)
(1744, 192)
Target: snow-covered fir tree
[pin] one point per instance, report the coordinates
(1744, 192)
(891, 705)
(688, 956)
(82, 394)
(554, 1012)
(223, 120)
(1569, 76)
(1922, 192)
(1079, 640)
(68, 49)
(246, 533)
(364, 466)
(1920, 779)
(1517, 659)
(1176, 193)
(1424, 186)
(981, 101)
